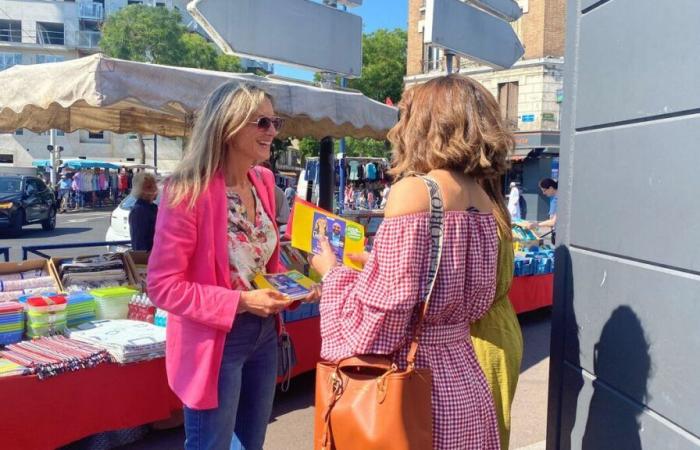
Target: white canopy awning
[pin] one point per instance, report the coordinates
(98, 93)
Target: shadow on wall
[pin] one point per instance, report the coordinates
(565, 377)
(621, 359)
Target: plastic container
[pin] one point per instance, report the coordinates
(11, 337)
(112, 302)
(47, 329)
(44, 318)
(46, 304)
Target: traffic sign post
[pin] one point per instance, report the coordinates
(305, 34)
(480, 34)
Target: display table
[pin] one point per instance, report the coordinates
(531, 292)
(45, 414)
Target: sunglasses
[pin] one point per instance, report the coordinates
(265, 122)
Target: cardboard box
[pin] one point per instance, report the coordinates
(137, 258)
(33, 264)
(56, 262)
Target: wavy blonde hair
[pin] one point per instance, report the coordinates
(451, 122)
(225, 112)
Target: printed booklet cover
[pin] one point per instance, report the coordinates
(310, 223)
(294, 284)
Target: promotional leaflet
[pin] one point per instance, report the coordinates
(293, 284)
(311, 223)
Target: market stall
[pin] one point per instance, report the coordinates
(97, 93)
(533, 279)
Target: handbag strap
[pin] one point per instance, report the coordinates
(437, 233)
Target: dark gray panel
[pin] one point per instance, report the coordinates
(637, 327)
(588, 3)
(635, 192)
(637, 59)
(601, 419)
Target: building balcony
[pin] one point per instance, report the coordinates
(91, 11)
(89, 39)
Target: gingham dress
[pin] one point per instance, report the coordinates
(372, 311)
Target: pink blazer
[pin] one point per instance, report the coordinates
(188, 276)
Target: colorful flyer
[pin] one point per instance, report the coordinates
(311, 223)
(293, 284)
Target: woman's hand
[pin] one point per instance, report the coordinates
(359, 258)
(314, 295)
(325, 261)
(262, 302)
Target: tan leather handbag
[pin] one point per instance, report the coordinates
(365, 402)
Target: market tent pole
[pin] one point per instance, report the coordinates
(326, 175)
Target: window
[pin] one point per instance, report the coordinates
(130, 159)
(508, 100)
(41, 59)
(134, 2)
(8, 60)
(433, 58)
(31, 186)
(99, 135)
(60, 133)
(48, 33)
(6, 159)
(10, 31)
(161, 5)
(19, 132)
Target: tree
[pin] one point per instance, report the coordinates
(157, 35)
(143, 33)
(383, 65)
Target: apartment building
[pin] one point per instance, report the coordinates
(530, 93)
(39, 31)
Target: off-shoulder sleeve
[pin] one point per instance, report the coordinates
(370, 311)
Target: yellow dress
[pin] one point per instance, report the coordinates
(498, 343)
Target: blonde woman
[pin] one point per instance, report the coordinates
(215, 230)
(142, 218)
(451, 130)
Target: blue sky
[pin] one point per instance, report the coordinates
(375, 14)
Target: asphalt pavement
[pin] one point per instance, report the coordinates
(73, 227)
(291, 425)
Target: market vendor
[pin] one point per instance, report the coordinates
(548, 187)
(215, 231)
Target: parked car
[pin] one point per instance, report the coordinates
(119, 224)
(26, 200)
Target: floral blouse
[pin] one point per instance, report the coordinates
(250, 245)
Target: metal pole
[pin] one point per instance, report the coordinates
(341, 163)
(449, 57)
(155, 152)
(326, 174)
(54, 149)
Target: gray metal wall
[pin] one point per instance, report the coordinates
(625, 366)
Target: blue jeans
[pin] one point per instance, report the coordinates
(246, 390)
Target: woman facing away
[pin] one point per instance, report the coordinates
(215, 230)
(451, 130)
(496, 337)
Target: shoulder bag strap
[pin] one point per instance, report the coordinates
(437, 232)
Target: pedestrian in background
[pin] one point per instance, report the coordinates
(514, 202)
(123, 183)
(142, 218)
(64, 189)
(549, 189)
(215, 231)
(451, 129)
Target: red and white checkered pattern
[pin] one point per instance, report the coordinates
(373, 311)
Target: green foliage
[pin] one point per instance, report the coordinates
(353, 147)
(383, 65)
(143, 33)
(309, 147)
(157, 35)
(367, 147)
